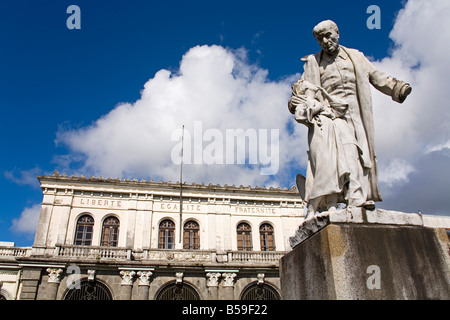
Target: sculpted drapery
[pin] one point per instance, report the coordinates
(342, 159)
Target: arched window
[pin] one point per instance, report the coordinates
(173, 291)
(257, 291)
(83, 234)
(88, 290)
(267, 238)
(191, 238)
(110, 232)
(244, 237)
(166, 235)
(4, 295)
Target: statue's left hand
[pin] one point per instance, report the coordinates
(405, 91)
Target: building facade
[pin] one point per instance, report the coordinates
(120, 239)
(112, 239)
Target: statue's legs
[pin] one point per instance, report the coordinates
(312, 207)
(358, 181)
(331, 202)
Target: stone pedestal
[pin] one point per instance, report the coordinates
(361, 254)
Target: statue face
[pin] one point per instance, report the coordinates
(328, 40)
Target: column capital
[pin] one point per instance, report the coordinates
(54, 275)
(228, 279)
(127, 277)
(213, 279)
(144, 277)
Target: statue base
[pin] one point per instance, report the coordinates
(360, 254)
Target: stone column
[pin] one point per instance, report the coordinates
(213, 285)
(144, 284)
(127, 284)
(54, 278)
(228, 285)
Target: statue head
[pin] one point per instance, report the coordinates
(327, 35)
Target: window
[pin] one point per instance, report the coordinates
(83, 234)
(110, 232)
(244, 237)
(267, 238)
(166, 235)
(191, 238)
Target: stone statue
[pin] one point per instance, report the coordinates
(333, 100)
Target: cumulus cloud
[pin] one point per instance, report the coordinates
(24, 177)
(395, 171)
(28, 220)
(215, 89)
(219, 88)
(408, 134)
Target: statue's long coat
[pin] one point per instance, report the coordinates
(366, 74)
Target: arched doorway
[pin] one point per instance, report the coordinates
(89, 290)
(177, 291)
(264, 291)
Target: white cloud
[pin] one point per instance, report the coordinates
(421, 34)
(437, 147)
(407, 134)
(24, 177)
(28, 220)
(214, 85)
(396, 171)
(220, 88)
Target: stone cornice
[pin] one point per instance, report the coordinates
(58, 178)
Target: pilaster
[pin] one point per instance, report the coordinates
(126, 284)
(54, 278)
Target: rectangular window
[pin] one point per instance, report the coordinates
(83, 235)
(267, 243)
(244, 241)
(191, 240)
(166, 239)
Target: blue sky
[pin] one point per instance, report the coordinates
(57, 83)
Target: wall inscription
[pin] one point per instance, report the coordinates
(100, 203)
(239, 209)
(172, 207)
(176, 207)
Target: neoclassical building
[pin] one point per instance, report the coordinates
(100, 239)
(126, 239)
